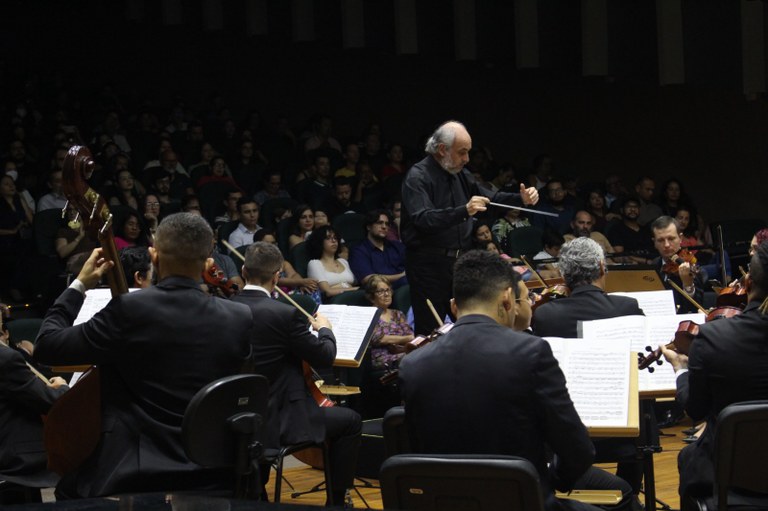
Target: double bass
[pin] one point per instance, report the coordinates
(73, 426)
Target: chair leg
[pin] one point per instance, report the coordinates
(279, 476)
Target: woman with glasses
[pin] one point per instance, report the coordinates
(325, 265)
(392, 329)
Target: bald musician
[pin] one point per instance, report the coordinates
(156, 348)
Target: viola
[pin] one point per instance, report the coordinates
(417, 342)
(73, 425)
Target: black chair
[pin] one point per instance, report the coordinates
(524, 241)
(351, 227)
(212, 196)
(276, 458)
(402, 299)
(356, 297)
(438, 482)
(396, 439)
(24, 329)
(299, 258)
(221, 428)
(266, 218)
(741, 448)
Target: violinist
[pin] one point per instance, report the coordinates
(676, 265)
(281, 341)
(727, 363)
(508, 394)
(582, 265)
(155, 349)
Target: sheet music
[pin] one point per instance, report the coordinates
(95, 300)
(597, 376)
(653, 303)
(642, 332)
(351, 325)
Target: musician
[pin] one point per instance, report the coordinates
(155, 348)
(727, 363)
(524, 405)
(667, 238)
(440, 199)
(281, 341)
(24, 397)
(582, 265)
(137, 266)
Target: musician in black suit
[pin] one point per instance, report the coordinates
(667, 237)
(582, 265)
(484, 388)
(727, 363)
(155, 348)
(281, 341)
(24, 397)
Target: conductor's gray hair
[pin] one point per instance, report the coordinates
(580, 261)
(445, 134)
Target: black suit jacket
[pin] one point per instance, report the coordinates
(23, 399)
(486, 389)
(156, 348)
(560, 317)
(281, 340)
(728, 363)
(684, 306)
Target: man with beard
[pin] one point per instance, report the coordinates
(629, 236)
(378, 255)
(581, 227)
(557, 202)
(440, 199)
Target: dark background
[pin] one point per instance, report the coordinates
(705, 132)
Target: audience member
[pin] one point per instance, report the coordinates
(645, 190)
(325, 266)
(376, 255)
(248, 210)
(55, 198)
(137, 267)
(392, 330)
(304, 222)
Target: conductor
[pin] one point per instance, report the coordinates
(440, 200)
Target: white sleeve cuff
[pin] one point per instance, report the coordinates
(680, 371)
(77, 286)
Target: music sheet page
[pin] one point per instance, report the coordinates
(351, 326)
(653, 303)
(597, 376)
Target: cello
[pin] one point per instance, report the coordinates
(72, 428)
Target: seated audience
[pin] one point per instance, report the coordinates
(331, 271)
(304, 221)
(392, 329)
(376, 254)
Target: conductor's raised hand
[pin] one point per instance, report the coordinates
(319, 321)
(94, 269)
(529, 195)
(476, 204)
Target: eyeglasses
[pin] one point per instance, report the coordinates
(383, 292)
(153, 204)
(382, 222)
(332, 238)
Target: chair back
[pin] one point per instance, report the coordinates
(45, 227)
(212, 196)
(741, 446)
(467, 482)
(396, 440)
(266, 218)
(298, 257)
(209, 433)
(24, 329)
(351, 227)
(523, 241)
(223, 234)
(356, 297)
(306, 302)
(402, 299)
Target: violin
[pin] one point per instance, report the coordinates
(73, 425)
(684, 335)
(417, 342)
(217, 280)
(734, 295)
(683, 256)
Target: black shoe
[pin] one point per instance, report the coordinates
(689, 431)
(690, 439)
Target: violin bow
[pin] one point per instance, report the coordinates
(538, 275)
(687, 296)
(434, 313)
(282, 293)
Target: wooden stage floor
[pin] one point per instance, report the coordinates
(665, 464)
